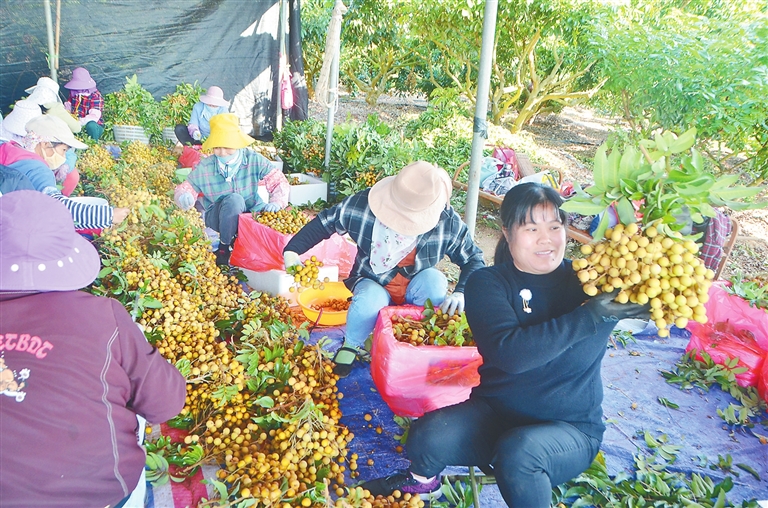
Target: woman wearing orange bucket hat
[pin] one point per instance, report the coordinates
(403, 226)
(75, 370)
(229, 182)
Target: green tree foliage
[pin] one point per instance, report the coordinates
(675, 70)
(537, 57)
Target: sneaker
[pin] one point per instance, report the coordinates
(404, 482)
(222, 255)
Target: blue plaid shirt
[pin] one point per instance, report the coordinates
(353, 216)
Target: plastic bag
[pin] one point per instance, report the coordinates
(260, 248)
(415, 379)
(733, 330)
(762, 383)
(508, 157)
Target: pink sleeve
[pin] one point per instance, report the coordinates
(184, 188)
(278, 187)
(70, 182)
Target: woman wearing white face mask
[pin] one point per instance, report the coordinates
(43, 150)
(229, 182)
(211, 103)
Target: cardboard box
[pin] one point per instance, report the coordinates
(278, 282)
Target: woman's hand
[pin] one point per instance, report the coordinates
(119, 215)
(604, 308)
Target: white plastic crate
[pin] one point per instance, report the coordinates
(130, 133)
(309, 192)
(169, 134)
(278, 282)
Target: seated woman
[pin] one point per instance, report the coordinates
(86, 102)
(535, 419)
(210, 104)
(229, 182)
(43, 150)
(67, 174)
(45, 91)
(13, 126)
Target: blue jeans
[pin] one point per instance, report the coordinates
(527, 459)
(370, 297)
(223, 216)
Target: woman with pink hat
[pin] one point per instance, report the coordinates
(75, 370)
(211, 103)
(403, 226)
(86, 102)
(43, 150)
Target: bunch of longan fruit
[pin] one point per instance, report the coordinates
(306, 277)
(332, 305)
(441, 329)
(288, 222)
(648, 267)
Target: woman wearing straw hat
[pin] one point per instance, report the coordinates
(86, 102)
(403, 226)
(210, 104)
(229, 182)
(75, 370)
(43, 150)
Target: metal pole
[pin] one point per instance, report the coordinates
(51, 48)
(480, 124)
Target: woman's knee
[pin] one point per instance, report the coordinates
(430, 284)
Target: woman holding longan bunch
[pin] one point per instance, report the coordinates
(535, 419)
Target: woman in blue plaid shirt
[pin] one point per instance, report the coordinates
(403, 226)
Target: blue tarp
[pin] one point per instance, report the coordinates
(633, 386)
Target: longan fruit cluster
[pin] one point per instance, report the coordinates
(648, 267)
(441, 329)
(306, 277)
(367, 178)
(288, 222)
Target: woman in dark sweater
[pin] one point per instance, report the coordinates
(535, 419)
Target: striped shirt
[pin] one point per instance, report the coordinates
(450, 237)
(207, 179)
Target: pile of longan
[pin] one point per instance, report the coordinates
(332, 305)
(648, 267)
(441, 329)
(306, 276)
(288, 222)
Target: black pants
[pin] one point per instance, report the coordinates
(182, 134)
(527, 460)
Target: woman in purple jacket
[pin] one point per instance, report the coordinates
(75, 370)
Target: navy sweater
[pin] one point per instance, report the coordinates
(542, 365)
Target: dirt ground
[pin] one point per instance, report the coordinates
(568, 141)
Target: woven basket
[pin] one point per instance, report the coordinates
(169, 134)
(130, 133)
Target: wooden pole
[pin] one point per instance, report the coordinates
(58, 34)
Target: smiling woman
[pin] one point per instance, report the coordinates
(540, 341)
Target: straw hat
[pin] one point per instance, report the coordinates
(23, 111)
(54, 129)
(411, 201)
(226, 133)
(81, 80)
(46, 90)
(41, 250)
(215, 97)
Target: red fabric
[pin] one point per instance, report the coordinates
(189, 157)
(70, 182)
(399, 285)
(191, 491)
(718, 229)
(89, 371)
(413, 380)
(11, 152)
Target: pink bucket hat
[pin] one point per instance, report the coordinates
(215, 97)
(81, 80)
(411, 201)
(41, 250)
(23, 111)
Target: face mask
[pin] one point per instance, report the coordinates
(55, 160)
(211, 110)
(227, 158)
